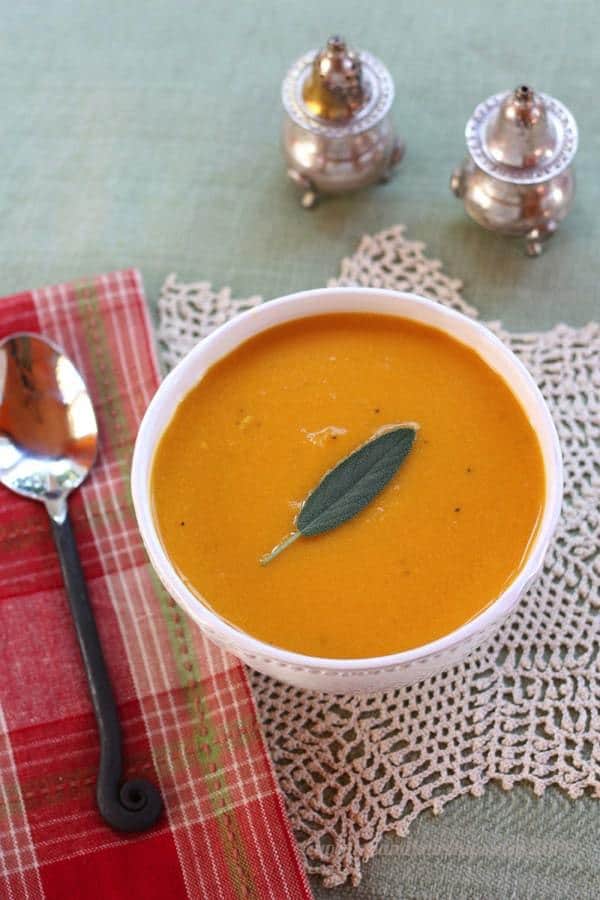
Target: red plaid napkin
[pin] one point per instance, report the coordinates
(187, 713)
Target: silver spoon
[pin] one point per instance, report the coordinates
(48, 444)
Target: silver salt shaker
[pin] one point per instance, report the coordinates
(517, 178)
(337, 132)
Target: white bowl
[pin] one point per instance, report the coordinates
(345, 675)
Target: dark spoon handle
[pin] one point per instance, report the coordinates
(136, 804)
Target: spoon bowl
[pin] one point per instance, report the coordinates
(48, 429)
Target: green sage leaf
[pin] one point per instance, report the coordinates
(351, 485)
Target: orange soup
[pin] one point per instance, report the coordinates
(255, 436)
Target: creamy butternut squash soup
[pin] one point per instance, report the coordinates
(255, 436)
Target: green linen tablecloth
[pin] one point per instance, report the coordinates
(147, 134)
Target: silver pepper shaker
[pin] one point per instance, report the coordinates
(337, 132)
(518, 179)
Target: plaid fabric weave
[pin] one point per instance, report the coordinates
(187, 713)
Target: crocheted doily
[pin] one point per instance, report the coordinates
(524, 708)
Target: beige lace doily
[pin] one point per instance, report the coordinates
(526, 707)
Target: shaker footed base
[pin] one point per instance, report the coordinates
(311, 195)
(536, 238)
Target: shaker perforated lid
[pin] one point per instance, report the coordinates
(335, 88)
(522, 136)
(337, 91)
